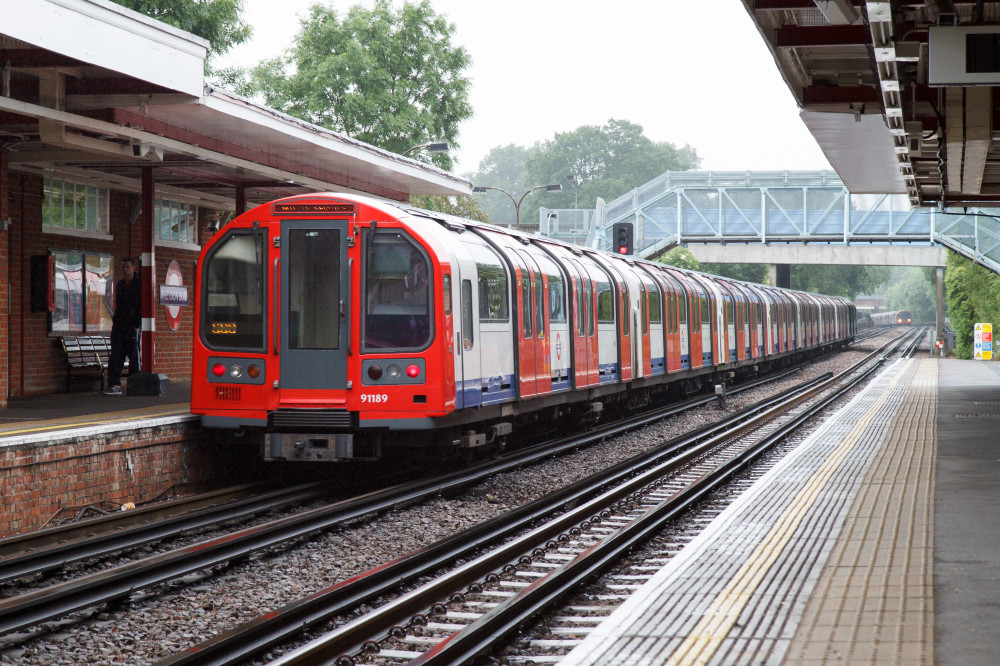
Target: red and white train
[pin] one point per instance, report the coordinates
(335, 326)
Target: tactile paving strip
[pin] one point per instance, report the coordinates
(737, 592)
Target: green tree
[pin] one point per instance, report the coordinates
(972, 298)
(680, 257)
(847, 281)
(389, 78)
(759, 273)
(460, 206)
(218, 21)
(910, 290)
(606, 162)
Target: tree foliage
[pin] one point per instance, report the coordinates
(460, 206)
(600, 161)
(972, 298)
(218, 21)
(502, 167)
(680, 257)
(389, 78)
(840, 280)
(909, 289)
(758, 273)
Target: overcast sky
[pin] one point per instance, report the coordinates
(694, 73)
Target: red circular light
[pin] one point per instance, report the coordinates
(412, 371)
(623, 250)
(218, 369)
(374, 371)
(254, 371)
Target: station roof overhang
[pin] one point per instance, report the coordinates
(892, 94)
(95, 92)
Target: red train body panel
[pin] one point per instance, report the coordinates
(333, 326)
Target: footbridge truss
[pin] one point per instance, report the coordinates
(773, 208)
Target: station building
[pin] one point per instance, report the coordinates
(112, 144)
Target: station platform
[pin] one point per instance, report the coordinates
(877, 541)
(38, 416)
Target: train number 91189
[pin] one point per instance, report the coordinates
(374, 397)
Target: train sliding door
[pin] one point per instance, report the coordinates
(314, 303)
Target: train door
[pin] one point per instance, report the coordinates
(560, 330)
(585, 371)
(543, 363)
(523, 332)
(468, 389)
(625, 331)
(314, 275)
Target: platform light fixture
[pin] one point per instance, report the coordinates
(554, 187)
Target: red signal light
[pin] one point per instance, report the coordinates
(218, 369)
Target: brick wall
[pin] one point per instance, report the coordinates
(36, 364)
(42, 479)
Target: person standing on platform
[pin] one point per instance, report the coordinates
(125, 326)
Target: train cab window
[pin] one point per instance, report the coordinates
(467, 332)
(397, 309)
(233, 293)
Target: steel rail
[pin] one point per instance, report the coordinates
(32, 561)
(257, 635)
(346, 639)
(25, 610)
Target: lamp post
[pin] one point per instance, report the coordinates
(555, 187)
(431, 146)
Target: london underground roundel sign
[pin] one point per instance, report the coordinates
(173, 281)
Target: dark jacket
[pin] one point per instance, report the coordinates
(128, 303)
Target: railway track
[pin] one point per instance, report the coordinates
(478, 602)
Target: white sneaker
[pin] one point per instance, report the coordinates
(113, 390)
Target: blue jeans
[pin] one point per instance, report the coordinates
(124, 344)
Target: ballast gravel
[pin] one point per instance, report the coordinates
(153, 624)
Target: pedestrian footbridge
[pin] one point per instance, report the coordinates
(767, 216)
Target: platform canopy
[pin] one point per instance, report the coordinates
(95, 92)
(897, 94)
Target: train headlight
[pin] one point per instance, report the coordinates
(394, 371)
(374, 371)
(235, 370)
(218, 369)
(412, 371)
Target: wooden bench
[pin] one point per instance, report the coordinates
(87, 358)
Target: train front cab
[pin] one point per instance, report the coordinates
(316, 328)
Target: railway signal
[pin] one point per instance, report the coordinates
(622, 234)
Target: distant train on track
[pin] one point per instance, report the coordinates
(336, 326)
(894, 318)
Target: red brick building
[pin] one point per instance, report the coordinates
(112, 145)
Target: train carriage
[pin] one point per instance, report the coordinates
(332, 327)
(892, 318)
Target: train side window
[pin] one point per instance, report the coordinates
(626, 309)
(492, 284)
(581, 309)
(557, 290)
(467, 333)
(446, 293)
(644, 314)
(590, 308)
(526, 302)
(539, 306)
(655, 313)
(605, 303)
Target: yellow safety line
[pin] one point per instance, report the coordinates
(720, 617)
(81, 424)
